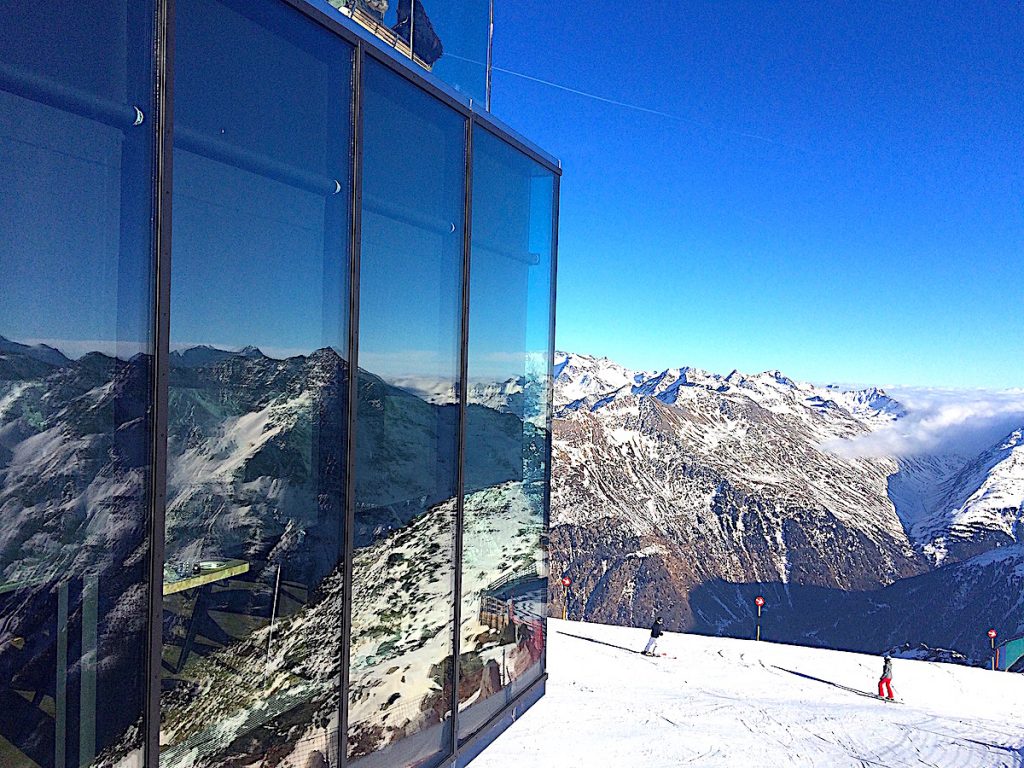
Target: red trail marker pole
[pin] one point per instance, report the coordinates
(566, 583)
(992, 634)
(759, 602)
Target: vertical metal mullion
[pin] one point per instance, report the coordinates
(489, 68)
(87, 675)
(412, 30)
(60, 694)
(163, 152)
(460, 504)
(550, 410)
(355, 234)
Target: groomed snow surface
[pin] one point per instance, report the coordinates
(723, 702)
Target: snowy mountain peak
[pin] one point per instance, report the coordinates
(590, 383)
(779, 378)
(251, 352)
(986, 497)
(42, 353)
(578, 377)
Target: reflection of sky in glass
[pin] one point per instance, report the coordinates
(511, 264)
(462, 27)
(71, 242)
(252, 242)
(250, 268)
(412, 232)
(62, 226)
(260, 228)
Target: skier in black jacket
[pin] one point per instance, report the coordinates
(652, 644)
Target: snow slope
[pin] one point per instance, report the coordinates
(724, 702)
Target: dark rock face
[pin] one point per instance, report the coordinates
(950, 607)
(664, 519)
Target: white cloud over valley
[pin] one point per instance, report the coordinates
(941, 421)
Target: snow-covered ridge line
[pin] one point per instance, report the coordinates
(584, 381)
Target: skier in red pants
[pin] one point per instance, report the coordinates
(885, 681)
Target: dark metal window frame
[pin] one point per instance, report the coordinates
(163, 55)
(460, 479)
(365, 47)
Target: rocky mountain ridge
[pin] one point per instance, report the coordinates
(675, 490)
(256, 473)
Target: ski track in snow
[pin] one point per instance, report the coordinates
(724, 702)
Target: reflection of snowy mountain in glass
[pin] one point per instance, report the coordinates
(250, 460)
(252, 657)
(74, 458)
(255, 503)
(249, 480)
(69, 479)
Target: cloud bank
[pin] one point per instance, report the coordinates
(941, 421)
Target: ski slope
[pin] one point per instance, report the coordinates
(724, 702)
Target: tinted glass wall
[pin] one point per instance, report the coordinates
(76, 146)
(258, 386)
(407, 423)
(504, 557)
(221, 544)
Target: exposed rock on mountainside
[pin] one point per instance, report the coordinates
(672, 490)
(256, 473)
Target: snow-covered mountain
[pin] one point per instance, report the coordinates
(42, 353)
(517, 395)
(579, 376)
(582, 381)
(673, 489)
(982, 502)
(255, 472)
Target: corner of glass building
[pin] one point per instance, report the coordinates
(276, 338)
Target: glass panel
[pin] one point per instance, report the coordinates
(408, 415)
(76, 127)
(257, 403)
(451, 36)
(504, 580)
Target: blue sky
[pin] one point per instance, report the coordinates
(839, 192)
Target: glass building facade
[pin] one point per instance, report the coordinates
(276, 330)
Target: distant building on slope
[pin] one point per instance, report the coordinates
(276, 331)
